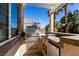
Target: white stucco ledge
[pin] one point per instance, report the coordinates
(65, 35)
(56, 39)
(76, 37)
(61, 34)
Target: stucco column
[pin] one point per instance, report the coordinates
(52, 22)
(20, 17)
(66, 22)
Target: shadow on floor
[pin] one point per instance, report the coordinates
(33, 52)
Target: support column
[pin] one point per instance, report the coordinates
(66, 23)
(20, 17)
(52, 22)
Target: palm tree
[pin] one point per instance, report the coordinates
(76, 21)
(65, 23)
(73, 21)
(47, 28)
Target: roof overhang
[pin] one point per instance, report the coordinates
(45, 5)
(51, 6)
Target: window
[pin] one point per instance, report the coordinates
(14, 20)
(3, 22)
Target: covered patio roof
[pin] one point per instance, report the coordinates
(51, 6)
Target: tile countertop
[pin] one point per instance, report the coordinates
(56, 39)
(76, 37)
(65, 35)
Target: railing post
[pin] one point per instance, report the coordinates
(66, 21)
(20, 17)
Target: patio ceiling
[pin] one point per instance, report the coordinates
(51, 6)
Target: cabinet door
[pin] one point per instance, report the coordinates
(52, 50)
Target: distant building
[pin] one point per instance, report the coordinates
(31, 24)
(28, 23)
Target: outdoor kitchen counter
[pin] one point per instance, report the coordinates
(76, 37)
(69, 45)
(63, 35)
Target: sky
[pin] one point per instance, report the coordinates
(37, 14)
(73, 7)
